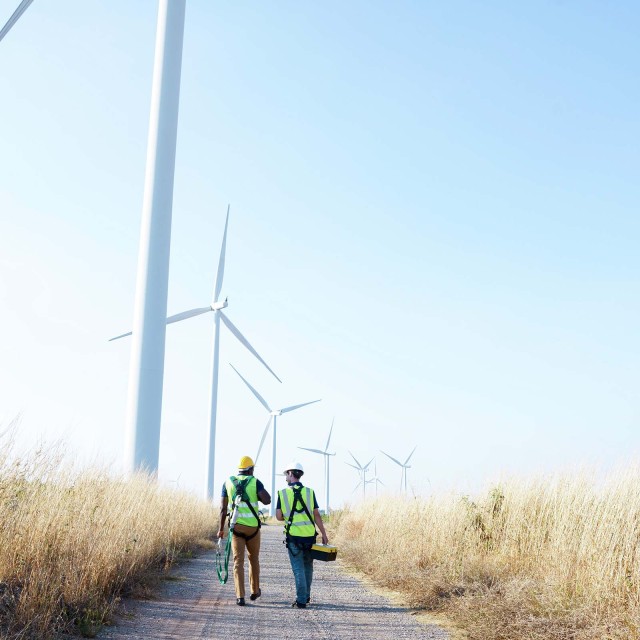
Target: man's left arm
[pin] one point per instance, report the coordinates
(318, 518)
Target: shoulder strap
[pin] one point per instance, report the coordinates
(297, 497)
(241, 486)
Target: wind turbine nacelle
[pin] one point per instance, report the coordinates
(276, 413)
(216, 306)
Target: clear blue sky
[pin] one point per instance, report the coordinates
(434, 228)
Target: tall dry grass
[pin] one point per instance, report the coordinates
(555, 558)
(72, 541)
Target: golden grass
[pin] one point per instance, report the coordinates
(555, 558)
(72, 542)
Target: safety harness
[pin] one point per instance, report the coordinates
(222, 556)
(297, 498)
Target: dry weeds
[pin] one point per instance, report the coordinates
(72, 542)
(551, 559)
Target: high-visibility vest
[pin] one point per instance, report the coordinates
(251, 491)
(301, 526)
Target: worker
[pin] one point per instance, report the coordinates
(295, 506)
(246, 531)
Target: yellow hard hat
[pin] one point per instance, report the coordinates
(245, 463)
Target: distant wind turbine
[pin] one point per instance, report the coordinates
(273, 415)
(326, 455)
(375, 478)
(362, 471)
(405, 465)
(218, 315)
(22, 7)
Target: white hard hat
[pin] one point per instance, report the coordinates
(294, 465)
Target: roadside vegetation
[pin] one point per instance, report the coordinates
(71, 543)
(554, 558)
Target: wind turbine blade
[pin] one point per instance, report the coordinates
(359, 483)
(366, 466)
(391, 458)
(329, 438)
(264, 435)
(220, 274)
(245, 342)
(263, 402)
(313, 450)
(359, 465)
(24, 5)
(353, 466)
(179, 316)
(297, 406)
(409, 458)
(187, 314)
(124, 335)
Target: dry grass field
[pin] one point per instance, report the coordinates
(555, 558)
(72, 542)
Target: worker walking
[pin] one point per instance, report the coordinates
(244, 491)
(295, 506)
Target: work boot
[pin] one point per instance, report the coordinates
(298, 605)
(255, 596)
(240, 602)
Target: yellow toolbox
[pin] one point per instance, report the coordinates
(324, 552)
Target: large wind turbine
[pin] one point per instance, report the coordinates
(363, 471)
(216, 307)
(326, 454)
(405, 465)
(273, 415)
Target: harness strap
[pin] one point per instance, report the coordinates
(243, 496)
(297, 497)
(245, 536)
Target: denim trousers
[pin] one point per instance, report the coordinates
(302, 566)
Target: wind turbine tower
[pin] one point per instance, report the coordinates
(273, 415)
(327, 455)
(150, 310)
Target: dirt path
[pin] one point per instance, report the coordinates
(194, 605)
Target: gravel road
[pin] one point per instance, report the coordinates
(195, 605)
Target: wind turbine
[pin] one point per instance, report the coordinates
(22, 7)
(405, 466)
(216, 306)
(375, 478)
(273, 415)
(361, 470)
(326, 455)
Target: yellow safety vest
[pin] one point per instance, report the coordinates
(301, 526)
(251, 491)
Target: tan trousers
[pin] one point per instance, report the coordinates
(238, 544)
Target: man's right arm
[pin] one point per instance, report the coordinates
(223, 516)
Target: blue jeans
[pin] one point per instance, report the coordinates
(302, 566)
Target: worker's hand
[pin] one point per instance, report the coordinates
(325, 540)
(221, 534)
